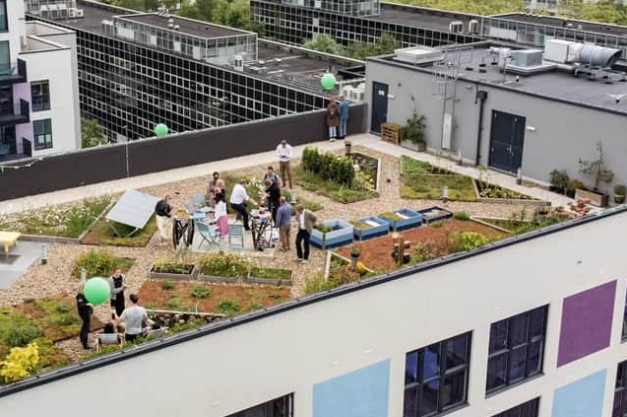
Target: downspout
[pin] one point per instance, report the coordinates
(482, 96)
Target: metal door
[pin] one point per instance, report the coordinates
(379, 106)
(507, 138)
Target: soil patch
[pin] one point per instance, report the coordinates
(211, 298)
(377, 253)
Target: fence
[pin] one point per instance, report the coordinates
(146, 156)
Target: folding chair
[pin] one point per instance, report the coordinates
(236, 232)
(191, 209)
(207, 233)
(198, 200)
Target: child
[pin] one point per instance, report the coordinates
(222, 221)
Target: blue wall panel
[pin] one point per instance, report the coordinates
(582, 398)
(361, 393)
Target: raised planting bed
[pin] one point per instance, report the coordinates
(270, 276)
(210, 298)
(492, 193)
(368, 166)
(517, 226)
(334, 233)
(421, 180)
(172, 271)
(427, 242)
(435, 214)
(100, 263)
(401, 219)
(370, 227)
(222, 268)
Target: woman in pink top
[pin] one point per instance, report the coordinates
(222, 220)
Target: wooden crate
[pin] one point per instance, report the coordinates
(390, 133)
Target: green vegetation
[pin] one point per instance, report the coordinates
(201, 291)
(180, 263)
(271, 273)
(518, 222)
(307, 204)
(421, 180)
(465, 241)
(223, 265)
(384, 45)
(331, 189)
(91, 134)
(168, 285)
(360, 225)
(414, 130)
(323, 228)
(100, 263)
(388, 215)
(228, 307)
(488, 190)
(484, 7)
(103, 235)
(69, 220)
(461, 215)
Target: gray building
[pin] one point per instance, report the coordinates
(507, 108)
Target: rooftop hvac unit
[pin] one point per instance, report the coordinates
(107, 27)
(357, 95)
(238, 63)
(570, 52)
(473, 26)
(456, 27)
(176, 27)
(527, 58)
(418, 55)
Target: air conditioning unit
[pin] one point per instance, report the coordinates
(473, 26)
(456, 27)
(238, 63)
(357, 96)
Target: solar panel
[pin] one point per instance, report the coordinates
(133, 209)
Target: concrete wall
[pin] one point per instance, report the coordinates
(563, 132)
(313, 350)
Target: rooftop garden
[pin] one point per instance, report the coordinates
(102, 234)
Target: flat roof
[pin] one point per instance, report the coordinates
(421, 17)
(186, 26)
(552, 84)
(587, 26)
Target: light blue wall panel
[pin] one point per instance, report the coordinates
(582, 398)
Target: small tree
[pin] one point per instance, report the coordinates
(91, 133)
(323, 43)
(414, 130)
(596, 169)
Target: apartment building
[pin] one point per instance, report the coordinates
(38, 88)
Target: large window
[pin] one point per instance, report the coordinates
(280, 407)
(620, 391)
(528, 409)
(43, 134)
(516, 348)
(4, 25)
(436, 377)
(5, 58)
(40, 95)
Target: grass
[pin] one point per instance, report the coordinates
(330, 189)
(421, 180)
(487, 190)
(307, 204)
(271, 273)
(100, 263)
(360, 225)
(388, 215)
(69, 220)
(103, 235)
(518, 227)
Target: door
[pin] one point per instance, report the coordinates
(6, 100)
(7, 137)
(507, 138)
(379, 106)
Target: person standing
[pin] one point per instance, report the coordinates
(163, 209)
(344, 109)
(284, 152)
(117, 284)
(284, 223)
(222, 220)
(272, 176)
(134, 318)
(85, 310)
(333, 119)
(273, 193)
(239, 200)
(306, 221)
(213, 187)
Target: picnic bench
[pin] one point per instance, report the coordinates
(8, 239)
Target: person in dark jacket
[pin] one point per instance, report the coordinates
(344, 109)
(85, 309)
(333, 119)
(163, 210)
(273, 191)
(117, 284)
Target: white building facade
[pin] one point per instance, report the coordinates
(39, 109)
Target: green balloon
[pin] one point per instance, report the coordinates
(97, 291)
(328, 81)
(161, 130)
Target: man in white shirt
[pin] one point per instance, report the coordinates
(134, 318)
(239, 200)
(284, 152)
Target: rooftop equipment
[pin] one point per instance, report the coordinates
(418, 55)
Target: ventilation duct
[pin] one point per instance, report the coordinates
(599, 56)
(566, 52)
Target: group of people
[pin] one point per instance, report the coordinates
(337, 118)
(132, 321)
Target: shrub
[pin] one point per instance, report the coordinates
(20, 333)
(201, 292)
(19, 364)
(424, 252)
(173, 264)
(227, 307)
(224, 265)
(355, 253)
(559, 180)
(573, 186)
(98, 263)
(329, 166)
(318, 283)
(167, 285)
(63, 308)
(414, 130)
(461, 215)
(173, 303)
(321, 227)
(465, 241)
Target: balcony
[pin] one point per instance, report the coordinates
(19, 115)
(13, 73)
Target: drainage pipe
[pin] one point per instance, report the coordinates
(481, 96)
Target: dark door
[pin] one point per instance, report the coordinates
(379, 106)
(507, 138)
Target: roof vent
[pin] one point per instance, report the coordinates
(176, 27)
(418, 55)
(456, 27)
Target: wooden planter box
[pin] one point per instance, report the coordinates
(435, 214)
(173, 276)
(596, 199)
(413, 219)
(390, 132)
(219, 280)
(372, 231)
(418, 147)
(528, 202)
(270, 281)
(342, 234)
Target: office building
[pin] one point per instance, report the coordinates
(38, 92)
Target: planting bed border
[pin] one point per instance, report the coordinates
(483, 222)
(449, 216)
(372, 231)
(168, 276)
(342, 237)
(404, 224)
(219, 280)
(532, 201)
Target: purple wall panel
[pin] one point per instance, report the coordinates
(586, 323)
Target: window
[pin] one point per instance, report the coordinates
(280, 407)
(43, 134)
(4, 26)
(5, 58)
(516, 348)
(436, 377)
(620, 397)
(528, 409)
(40, 95)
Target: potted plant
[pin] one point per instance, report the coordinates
(413, 133)
(348, 147)
(619, 194)
(354, 258)
(559, 181)
(599, 173)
